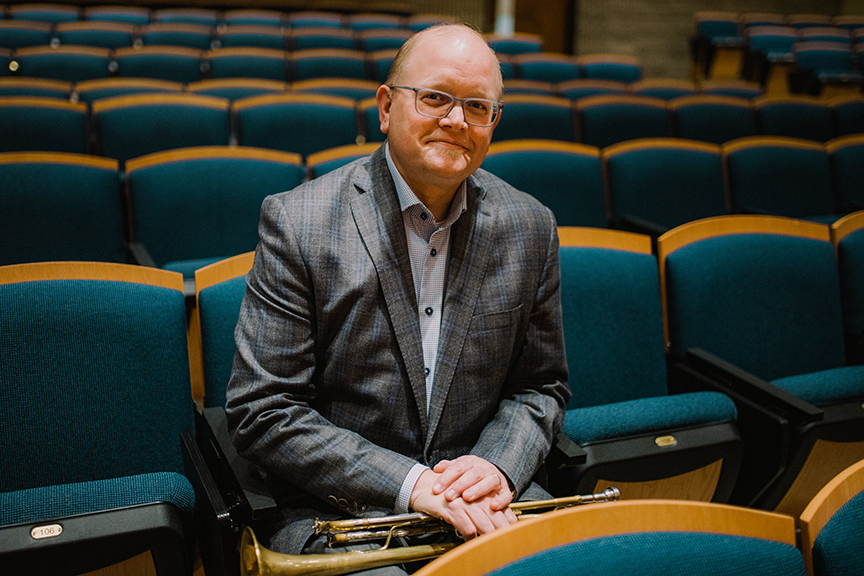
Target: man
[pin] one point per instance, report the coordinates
(400, 343)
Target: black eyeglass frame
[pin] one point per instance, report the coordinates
(495, 105)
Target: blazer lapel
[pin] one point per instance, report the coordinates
(471, 243)
(378, 218)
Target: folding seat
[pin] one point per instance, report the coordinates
(795, 116)
(648, 537)
(516, 43)
(770, 59)
(828, 68)
(187, 15)
(368, 120)
(198, 36)
(716, 119)
(534, 116)
(847, 111)
(60, 206)
(418, 22)
(610, 67)
(44, 12)
(717, 46)
(613, 118)
(565, 176)
(137, 124)
(366, 20)
(192, 207)
(848, 239)
(42, 123)
(846, 157)
(18, 86)
(5, 61)
(508, 68)
(345, 87)
(582, 87)
(251, 35)
(379, 64)
(70, 63)
(326, 63)
(174, 63)
(824, 34)
(655, 184)
(314, 19)
(247, 62)
(735, 88)
(90, 90)
(236, 88)
(545, 66)
(831, 539)
(753, 308)
(308, 38)
(111, 493)
(375, 39)
(780, 176)
(254, 17)
(638, 437)
(663, 88)
(23, 33)
(301, 123)
(801, 21)
(137, 15)
(750, 19)
(101, 34)
(320, 163)
(520, 86)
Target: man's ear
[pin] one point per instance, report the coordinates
(383, 96)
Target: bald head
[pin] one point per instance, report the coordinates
(445, 34)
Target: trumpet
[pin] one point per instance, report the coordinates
(255, 560)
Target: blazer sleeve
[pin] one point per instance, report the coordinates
(272, 383)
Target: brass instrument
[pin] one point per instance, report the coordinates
(255, 560)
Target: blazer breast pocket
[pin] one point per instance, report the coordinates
(489, 345)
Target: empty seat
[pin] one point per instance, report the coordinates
(101, 34)
(308, 38)
(716, 48)
(346, 87)
(236, 88)
(60, 206)
(313, 18)
(43, 123)
(582, 87)
(136, 15)
(846, 157)
(516, 43)
(663, 88)
(848, 239)
(44, 12)
(187, 15)
(613, 118)
(533, 116)
(248, 35)
(19, 86)
(196, 36)
(248, 62)
(794, 116)
(368, 120)
(522, 86)
(847, 112)
(545, 66)
(379, 64)
(709, 118)
(90, 90)
(611, 67)
(376, 39)
(22, 33)
(71, 63)
(320, 163)
(735, 88)
(253, 17)
(369, 20)
(174, 63)
(326, 63)
(829, 68)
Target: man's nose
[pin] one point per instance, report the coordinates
(456, 116)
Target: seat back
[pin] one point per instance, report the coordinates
(90, 90)
(102, 34)
(583, 87)
(846, 157)
(70, 63)
(43, 123)
(793, 116)
(613, 118)
(187, 15)
(847, 234)
(22, 33)
(761, 292)
(252, 35)
(59, 206)
(197, 36)
(300, 123)
(545, 66)
(137, 124)
(535, 116)
(611, 67)
(663, 88)
(204, 202)
(320, 163)
(327, 63)
(649, 537)
(18, 86)
(376, 39)
(115, 336)
(248, 62)
(565, 176)
(848, 113)
(664, 182)
(236, 88)
(137, 15)
(174, 63)
(712, 118)
(777, 175)
(613, 325)
(517, 43)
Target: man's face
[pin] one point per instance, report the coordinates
(435, 153)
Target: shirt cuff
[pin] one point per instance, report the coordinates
(404, 498)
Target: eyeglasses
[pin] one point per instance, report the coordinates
(435, 104)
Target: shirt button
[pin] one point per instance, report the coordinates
(429, 310)
(426, 370)
(423, 216)
(433, 252)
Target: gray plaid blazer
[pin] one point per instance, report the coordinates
(327, 393)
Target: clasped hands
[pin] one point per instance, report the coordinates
(469, 492)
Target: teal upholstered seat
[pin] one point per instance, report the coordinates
(848, 114)
(252, 35)
(712, 118)
(545, 66)
(248, 62)
(328, 63)
(794, 117)
(610, 67)
(847, 234)
(198, 36)
(70, 63)
(324, 37)
(43, 123)
(22, 33)
(656, 184)
(536, 116)
(613, 329)
(174, 63)
(18, 86)
(321, 163)
(565, 176)
(60, 206)
(608, 119)
(846, 156)
(102, 34)
(90, 90)
(515, 43)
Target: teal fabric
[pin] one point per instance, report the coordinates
(42, 128)
(254, 38)
(613, 325)
(60, 212)
(647, 416)
(663, 554)
(714, 122)
(850, 256)
(610, 123)
(767, 303)
(548, 70)
(306, 66)
(570, 184)
(20, 90)
(516, 45)
(58, 501)
(173, 67)
(811, 121)
(848, 117)
(847, 171)
(186, 38)
(324, 167)
(21, 37)
(96, 37)
(668, 186)
(236, 92)
(94, 381)
(301, 127)
(619, 71)
(839, 548)
(219, 307)
(248, 66)
(109, 91)
(129, 132)
(827, 386)
(64, 66)
(204, 208)
(535, 120)
(188, 267)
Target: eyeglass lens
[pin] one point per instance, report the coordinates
(438, 104)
